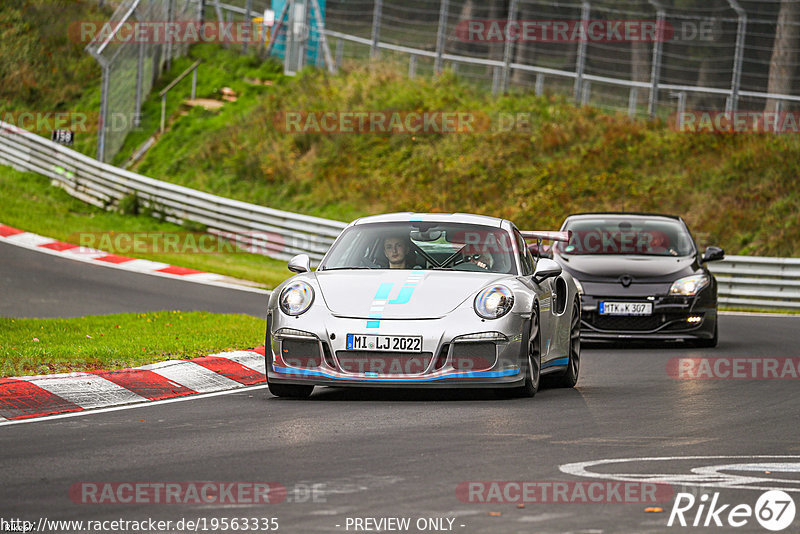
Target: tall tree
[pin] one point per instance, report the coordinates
(784, 52)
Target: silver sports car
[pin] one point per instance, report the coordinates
(433, 300)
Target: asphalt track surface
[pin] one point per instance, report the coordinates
(381, 453)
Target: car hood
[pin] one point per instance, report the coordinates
(609, 268)
(399, 294)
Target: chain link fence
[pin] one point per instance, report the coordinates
(703, 55)
(131, 65)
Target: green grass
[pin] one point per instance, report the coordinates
(43, 66)
(32, 204)
(736, 191)
(221, 68)
(44, 346)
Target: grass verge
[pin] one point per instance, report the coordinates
(44, 346)
(30, 203)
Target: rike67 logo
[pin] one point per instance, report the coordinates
(774, 510)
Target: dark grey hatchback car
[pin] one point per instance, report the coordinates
(641, 277)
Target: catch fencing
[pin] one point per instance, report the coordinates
(710, 54)
(131, 66)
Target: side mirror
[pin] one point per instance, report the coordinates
(713, 254)
(300, 264)
(546, 268)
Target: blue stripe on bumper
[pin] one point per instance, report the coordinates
(475, 374)
(560, 361)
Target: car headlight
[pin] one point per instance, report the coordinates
(296, 298)
(690, 285)
(494, 302)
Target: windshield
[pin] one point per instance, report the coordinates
(627, 235)
(423, 245)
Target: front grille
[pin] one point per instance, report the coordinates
(619, 322)
(399, 363)
(646, 323)
(474, 356)
(301, 353)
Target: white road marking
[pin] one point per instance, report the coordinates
(94, 391)
(249, 359)
(131, 406)
(29, 239)
(192, 376)
(707, 476)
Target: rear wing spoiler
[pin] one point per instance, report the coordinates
(540, 250)
(547, 236)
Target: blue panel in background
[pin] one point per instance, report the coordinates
(313, 45)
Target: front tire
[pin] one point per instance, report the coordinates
(533, 365)
(570, 376)
(290, 390)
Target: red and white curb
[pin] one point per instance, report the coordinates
(71, 251)
(26, 397)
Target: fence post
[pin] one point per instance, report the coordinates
(339, 52)
(633, 96)
(586, 91)
(248, 7)
(376, 28)
(322, 41)
(139, 75)
(440, 36)
(655, 68)
(495, 80)
(170, 16)
(101, 137)
(512, 17)
(412, 66)
(741, 32)
(580, 63)
(539, 87)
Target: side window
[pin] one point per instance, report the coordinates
(525, 258)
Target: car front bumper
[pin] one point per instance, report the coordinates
(674, 318)
(312, 350)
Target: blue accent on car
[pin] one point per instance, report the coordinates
(383, 290)
(552, 363)
(467, 374)
(403, 296)
(373, 324)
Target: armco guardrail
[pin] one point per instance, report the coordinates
(275, 233)
(744, 281)
(755, 282)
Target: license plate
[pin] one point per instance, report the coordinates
(626, 308)
(384, 343)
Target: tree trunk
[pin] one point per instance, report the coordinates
(784, 52)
